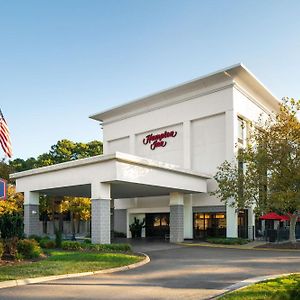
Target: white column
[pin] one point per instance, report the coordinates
(231, 133)
(188, 217)
(231, 222)
(31, 213)
(187, 144)
(251, 223)
(101, 210)
(105, 147)
(176, 217)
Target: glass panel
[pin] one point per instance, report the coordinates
(220, 216)
(156, 222)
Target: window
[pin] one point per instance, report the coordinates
(241, 130)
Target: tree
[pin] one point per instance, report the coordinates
(5, 170)
(63, 151)
(266, 172)
(80, 209)
(13, 203)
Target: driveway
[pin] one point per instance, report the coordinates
(175, 272)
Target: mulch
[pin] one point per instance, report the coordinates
(286, 245)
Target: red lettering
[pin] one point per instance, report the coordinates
(157, 140)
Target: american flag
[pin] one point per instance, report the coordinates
(4, 136)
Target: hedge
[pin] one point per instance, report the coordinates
(72, 245)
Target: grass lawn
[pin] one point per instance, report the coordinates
(64, 262)
(283, 288)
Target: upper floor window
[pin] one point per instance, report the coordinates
(241, 130)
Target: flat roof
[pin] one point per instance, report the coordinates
(237, 72)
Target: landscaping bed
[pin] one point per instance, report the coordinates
(286, 245)
(227, 241)
(283, 288)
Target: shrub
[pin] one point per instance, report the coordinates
(227, 241)
(1, 249)
(11, 225)
(87, 241)
(58, 238)
(49, 244)
(72, 245)
(109, 247)
(44, 241)
(35, 237)
(29, 248)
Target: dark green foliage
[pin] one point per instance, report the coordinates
(46, 243)
(58, 238)
(71, 245)
(11, 225)
(87, 241)
(49, 244)
(227, 241)
(35, 237)
(29, 248)
(1, 249)
(136, 228)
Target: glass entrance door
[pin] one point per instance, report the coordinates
(157, 224)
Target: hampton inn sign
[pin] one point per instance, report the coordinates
(158, 140)
(161, 172)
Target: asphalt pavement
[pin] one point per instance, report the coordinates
(175, 272)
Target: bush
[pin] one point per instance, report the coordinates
(44, 241)
(11, 226)
(58, 238)
(109, 247)
(29, 248)
(227, 241)
(87, 241)
(35, 237)
(72, 245)
(49, 244)
(1, 249)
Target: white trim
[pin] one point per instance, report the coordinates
(147, 109)
(118, 156)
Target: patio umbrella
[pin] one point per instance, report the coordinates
(271, 216)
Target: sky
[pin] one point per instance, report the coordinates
(63, 60)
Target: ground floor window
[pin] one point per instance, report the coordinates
(209, 225)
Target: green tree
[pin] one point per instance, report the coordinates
(5, 170)
(266, 172)
(80, 209)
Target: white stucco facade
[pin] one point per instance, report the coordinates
(170, 174)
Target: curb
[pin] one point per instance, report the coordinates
(238, 248)
(247, 282)
(26, 281)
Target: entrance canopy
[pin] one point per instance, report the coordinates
(128, 175)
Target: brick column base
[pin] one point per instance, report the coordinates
(176, 223)
(101, 221)
(31, 220)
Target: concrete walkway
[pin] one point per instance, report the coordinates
(175, 272)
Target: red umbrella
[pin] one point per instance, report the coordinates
(271, 216)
